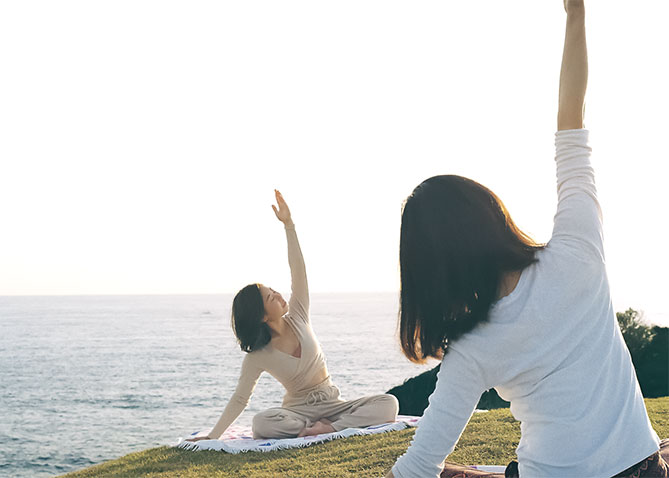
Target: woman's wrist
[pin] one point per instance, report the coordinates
(574, 7)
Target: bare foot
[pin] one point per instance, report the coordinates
(321, 426)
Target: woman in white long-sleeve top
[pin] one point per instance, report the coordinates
(535, 321)
(277, 338)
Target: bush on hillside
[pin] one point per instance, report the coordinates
(413, 394)
(649, 349)
(652, 367)
(636, 333)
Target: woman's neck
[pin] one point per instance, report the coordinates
(277, 327)
(508, 283)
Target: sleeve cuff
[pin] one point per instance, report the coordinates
(570, 138)
(289, 227)
(396, 472)
(572, 134)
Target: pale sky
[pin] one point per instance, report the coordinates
(140, 142)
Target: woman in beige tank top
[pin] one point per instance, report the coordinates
(277, 338)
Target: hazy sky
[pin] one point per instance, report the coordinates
(140, 141)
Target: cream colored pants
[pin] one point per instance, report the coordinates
(323, 401)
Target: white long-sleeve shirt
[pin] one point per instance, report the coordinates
(552, 348)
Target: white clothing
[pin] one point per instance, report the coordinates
(552, 348)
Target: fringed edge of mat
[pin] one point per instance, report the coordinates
(348, 432)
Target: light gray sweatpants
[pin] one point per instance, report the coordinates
(323, 401)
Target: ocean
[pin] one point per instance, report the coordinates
(85, 379)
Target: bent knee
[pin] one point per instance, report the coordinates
(262, 424)
(276, 423)
(389, 406)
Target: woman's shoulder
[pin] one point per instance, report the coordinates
(297, 321)
(560, 275)
(558, 268)
(570, 253)
(258, 356)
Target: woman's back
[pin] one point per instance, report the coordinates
(559, 358)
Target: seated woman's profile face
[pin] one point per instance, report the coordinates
(275, 305)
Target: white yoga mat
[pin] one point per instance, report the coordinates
(238, 439)
(490, 468)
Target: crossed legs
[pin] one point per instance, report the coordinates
(325, 417)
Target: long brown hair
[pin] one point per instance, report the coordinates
(247, 323)
(457, 241)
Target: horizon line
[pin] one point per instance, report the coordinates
(110, 294)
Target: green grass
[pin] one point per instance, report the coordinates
(489, 438)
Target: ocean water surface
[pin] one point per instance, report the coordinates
(84, 379)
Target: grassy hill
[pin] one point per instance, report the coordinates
(490, 438)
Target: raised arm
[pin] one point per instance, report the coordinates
(574, 72)
(298, 306)
(578, 220)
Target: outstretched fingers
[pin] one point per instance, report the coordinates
(282, 212)
(279, 198)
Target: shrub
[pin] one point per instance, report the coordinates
(636, 333)
(649, 349)
(414, 392)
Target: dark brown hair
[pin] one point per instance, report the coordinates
(457, 241)
(247, 323)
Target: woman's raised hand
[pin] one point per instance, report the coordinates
(282, 212)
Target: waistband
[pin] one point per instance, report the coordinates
(654, 466)
(324, 391)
